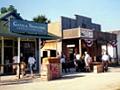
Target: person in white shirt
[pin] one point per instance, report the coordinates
(87, 56)
(88, 60)
(63, 62)
(15, 64)
(31, 62)
(105, 61)
(77, 62)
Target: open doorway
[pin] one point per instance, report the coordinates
(8, 59)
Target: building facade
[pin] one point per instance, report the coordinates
(19, 37)
(77, 36)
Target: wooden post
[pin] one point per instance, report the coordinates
(18, 66)
(2, 55)
(39, 56)
(117, 55)
(80, 46)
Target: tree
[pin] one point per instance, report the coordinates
(41, 19)
(11, 8)
(5, 9)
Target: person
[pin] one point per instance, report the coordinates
(88, 60)
(15, 64)
(7, 62)
(31, 62)
(105, 61)
(77, 62)
(22, 66)
(62, 60)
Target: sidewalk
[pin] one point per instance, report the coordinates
(13, 79)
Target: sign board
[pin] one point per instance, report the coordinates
(28, 27)
(86, 33)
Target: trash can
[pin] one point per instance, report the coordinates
(50, 68)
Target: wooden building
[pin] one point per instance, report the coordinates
(21, 38)
(77, 36)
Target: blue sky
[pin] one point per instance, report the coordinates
(104, 12)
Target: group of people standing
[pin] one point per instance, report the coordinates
(80, 64)
(84, 63)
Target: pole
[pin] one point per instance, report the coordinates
(2, 55)
(39, 56)
(18, 66)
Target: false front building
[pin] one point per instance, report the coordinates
(77, 36)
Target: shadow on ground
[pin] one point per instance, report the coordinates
(13, 82)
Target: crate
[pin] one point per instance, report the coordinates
(98, 68)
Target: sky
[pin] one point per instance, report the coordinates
(104, 12)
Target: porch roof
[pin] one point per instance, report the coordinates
(45, 37)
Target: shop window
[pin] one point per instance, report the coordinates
(45, 54)
(53, 53)
(84, 25)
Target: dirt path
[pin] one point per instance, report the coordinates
(78, 81)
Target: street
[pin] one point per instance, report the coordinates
(74, 81)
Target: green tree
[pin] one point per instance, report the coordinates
(11, 8)
(41, 19)
(3, 10)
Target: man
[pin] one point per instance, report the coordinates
(16, 62)
(63, 62)
(105, 60)
(31, 62)
(77, 62)
(88, 60)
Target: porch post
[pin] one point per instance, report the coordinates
(80, 46)
(106, 47)
(18, 66)
(2, 55)
(39, 58)
(117, 61)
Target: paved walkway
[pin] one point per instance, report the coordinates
(75, 81)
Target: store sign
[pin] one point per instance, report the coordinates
(28, 27)
(86, 33)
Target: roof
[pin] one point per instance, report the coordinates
(9, 13)
(45, 37)
(4, 30)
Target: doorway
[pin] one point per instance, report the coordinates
(8, 54)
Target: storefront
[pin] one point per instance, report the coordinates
(21, 38)
(78, 35)
(79, 40)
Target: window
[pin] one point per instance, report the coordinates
(84, 25)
